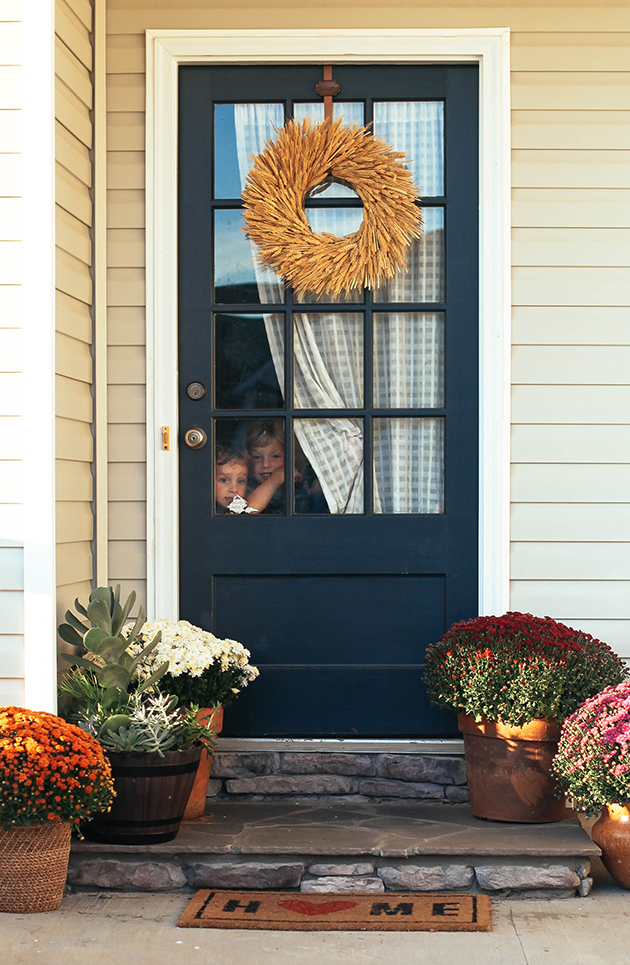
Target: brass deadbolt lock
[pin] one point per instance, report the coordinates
(196, 438)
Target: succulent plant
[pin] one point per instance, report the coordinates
(104, 668)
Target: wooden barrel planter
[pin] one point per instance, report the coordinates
(151, 796)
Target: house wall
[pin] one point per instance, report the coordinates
(74, 289)
(571, 289)
(11, 536)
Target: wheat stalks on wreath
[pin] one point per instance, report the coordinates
(304, 156)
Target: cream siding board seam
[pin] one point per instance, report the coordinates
(73, 318)
(74, 34)
(11, 362)
(571, 158)
(74, 258)
(74, 75)
(73, 155)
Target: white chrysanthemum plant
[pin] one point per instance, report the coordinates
(202, 669)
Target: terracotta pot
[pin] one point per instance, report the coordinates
(509, 770)
(151, 797)
(197, 800)
(612, 833)
(33, 867)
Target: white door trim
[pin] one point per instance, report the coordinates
(166, 49)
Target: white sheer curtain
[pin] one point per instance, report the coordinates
(408, 347)
(327, 362)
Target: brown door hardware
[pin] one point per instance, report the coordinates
(166, 437)
(328, 88)
(196, 391)
(196, 438)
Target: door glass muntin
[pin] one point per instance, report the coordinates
(256, 289)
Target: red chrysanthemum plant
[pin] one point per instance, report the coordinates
(517, 668)
(593, 760)
(49, 770)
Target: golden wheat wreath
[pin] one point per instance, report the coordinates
(303, 156)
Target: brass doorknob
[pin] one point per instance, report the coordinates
(196, 438)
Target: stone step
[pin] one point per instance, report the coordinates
(347, 847)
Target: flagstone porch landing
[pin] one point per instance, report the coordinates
(347, 847)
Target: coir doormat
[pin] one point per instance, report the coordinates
(293, 911)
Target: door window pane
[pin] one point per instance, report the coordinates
(328, 360)
(249, 464)
(238, 276)
(245, 374)
(422, 277)
(408, 360)
(408, 465)
(352, 113)
(417, 129)
(334, 221)
(330, 452)
(240, 131)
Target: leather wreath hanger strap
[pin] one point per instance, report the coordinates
(328, 88)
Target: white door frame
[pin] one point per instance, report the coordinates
(166, 49)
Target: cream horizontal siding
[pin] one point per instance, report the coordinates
(74, 362)
(571, 286)
(11, 349)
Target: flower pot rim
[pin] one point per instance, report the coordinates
(533, 730)
(141, 757)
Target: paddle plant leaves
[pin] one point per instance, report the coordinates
(98, 613)
(70, 635)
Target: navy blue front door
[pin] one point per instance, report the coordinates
(357, 418)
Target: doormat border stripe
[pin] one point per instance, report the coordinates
(298, 911)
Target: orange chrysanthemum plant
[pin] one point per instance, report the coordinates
(49, 770)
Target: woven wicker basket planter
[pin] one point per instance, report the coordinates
(33, 867)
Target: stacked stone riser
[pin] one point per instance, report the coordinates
(328, 776)
(532, 877)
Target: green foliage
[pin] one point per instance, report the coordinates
(215, 686)
(105, 670)
(517, 668)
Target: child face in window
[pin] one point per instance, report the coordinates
(231, 481)
(264, 460)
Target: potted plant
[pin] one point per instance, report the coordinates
(53, 776)
(513, 679)
(203, 670)
(154, 746)
(593, 768)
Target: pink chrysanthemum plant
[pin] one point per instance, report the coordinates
(517, 668)
(593, 760)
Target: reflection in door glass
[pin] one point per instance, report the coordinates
(333, 465)
(417, 129)
(422, 277)
(408, 465)
(251, 452)
(238, 278)
(328, 360)
(240, 131)
(245, 375)
(408, 360)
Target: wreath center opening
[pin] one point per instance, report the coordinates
(338, 221)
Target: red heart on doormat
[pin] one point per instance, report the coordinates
(310, 908)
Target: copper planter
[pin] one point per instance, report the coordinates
(509, 770)
(197, 800)
(612, 833)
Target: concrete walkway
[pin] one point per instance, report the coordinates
(140, 929)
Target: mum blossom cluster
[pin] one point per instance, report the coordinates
(593, 760)
(517, 668)
(49, 770)
(203, 669)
